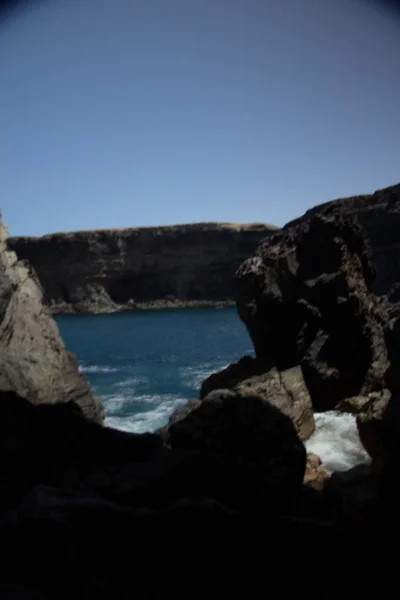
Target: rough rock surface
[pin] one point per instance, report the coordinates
(102, 271)
(378, 419)
(379, 214)
(315, 475)
(306, 300)
(285, 390)
(33, 358)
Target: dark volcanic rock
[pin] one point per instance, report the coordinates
(305, 298)
(90, 512)
(33, 358)
(100, 271)
(57, 445)
(96, 549)
(242, 439)
(285, 390)
(225, 447)
(379, 420)
(379, 214)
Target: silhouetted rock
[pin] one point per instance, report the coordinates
(88, 511)
(55, 444)
(240, 440)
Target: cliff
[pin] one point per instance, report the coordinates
(379, 214)
(318, 331)
(106, 270)
(34, 361)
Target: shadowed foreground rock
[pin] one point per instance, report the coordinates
(33, 359)
(100, 513)
(242, 438)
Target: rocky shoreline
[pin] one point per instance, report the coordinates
(224, 497)
(138, 306)
(147, 268)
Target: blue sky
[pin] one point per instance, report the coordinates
(121, 113)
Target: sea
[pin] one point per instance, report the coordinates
(145, 364)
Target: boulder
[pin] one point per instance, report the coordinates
(234, 443)
(285, 390)
(34, 361)
(305, 298)
(315, 476)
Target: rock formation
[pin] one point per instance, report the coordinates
(285, 390)
(306, 300)
(102, 271)
(90, 511)
(379, 215)
(240, 442)
(318, 330)
(34, 362)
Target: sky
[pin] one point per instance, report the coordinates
(127, 113)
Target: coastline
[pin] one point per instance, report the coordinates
(141, 306)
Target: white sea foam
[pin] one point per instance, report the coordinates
(193, 377)
(336, 441)
(146, 421)
(132, 382)
(115, 402)
(97, 369)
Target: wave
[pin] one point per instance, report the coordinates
(148, 421)
(127, 403)
(97, 369)
(336, 442)
(132, 381)
(193, 377)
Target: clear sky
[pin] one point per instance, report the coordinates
(121, 113)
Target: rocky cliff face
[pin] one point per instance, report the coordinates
(34, 362)
(101, 271)
(379, 214)
(306, 300)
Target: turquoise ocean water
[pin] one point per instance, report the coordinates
(145, 364)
